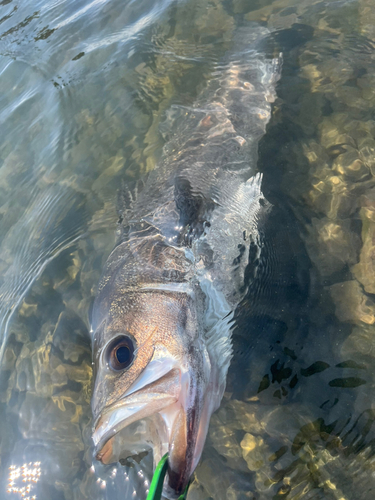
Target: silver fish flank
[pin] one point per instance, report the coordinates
(164, 308)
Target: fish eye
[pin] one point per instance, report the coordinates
(120, 353)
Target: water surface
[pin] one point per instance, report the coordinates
(86, 87)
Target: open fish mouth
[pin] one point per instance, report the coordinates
(176, 403)
(160, 397)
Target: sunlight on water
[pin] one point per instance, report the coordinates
(28, 474)
(91, 92)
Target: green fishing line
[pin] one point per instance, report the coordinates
(156, 486)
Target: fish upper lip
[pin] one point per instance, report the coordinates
(131, 407)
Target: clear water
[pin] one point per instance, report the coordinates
(85, 87)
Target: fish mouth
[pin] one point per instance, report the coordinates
(175, 401)
(138, 405)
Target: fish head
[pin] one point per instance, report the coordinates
(150, 362)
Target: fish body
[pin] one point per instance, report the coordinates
(165, 303)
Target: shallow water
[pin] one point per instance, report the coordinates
(85, 90)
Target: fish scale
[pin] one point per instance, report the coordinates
(171, 285)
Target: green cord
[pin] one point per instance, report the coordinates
(183, 496)
(156, 486)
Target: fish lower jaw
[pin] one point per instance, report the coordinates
(148, 435)
(112, 423)
(165, 434)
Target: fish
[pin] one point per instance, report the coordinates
(165, 304)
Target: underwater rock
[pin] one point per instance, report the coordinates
(25, 380)
(66, 275)
(9, 359)
(279, 21)
(367, 153)
(70, 339)
(367, 18)
(111, 169)
(197, 491)
(254, 451)
(42, 371)
(234, 493)
(318, 159)
(53, 422)
(332, 245)
(239, 415)
(216, 485)
(333, 197)
(352, 304)
(366, 83)
(210, 19)
(285, 421)
(20, 330)
(332, 134)
(360, 344)
(332, 191)
(347, 96)
(364, 271)
(225, 442)
(350, 165)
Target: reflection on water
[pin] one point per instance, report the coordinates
(23, 478)
(86, 91)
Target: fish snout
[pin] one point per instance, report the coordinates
(175, 393)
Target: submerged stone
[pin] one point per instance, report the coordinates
(364, 271)
(333, 198)
(197, 491)
(350, 165)
(207, 474)
(239, 415)
(225, 442)
(235, 493)
(360, 344)
(253, 451)
(332, 245)
(352, 304)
